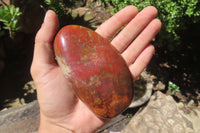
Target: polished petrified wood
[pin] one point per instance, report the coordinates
(95, 69)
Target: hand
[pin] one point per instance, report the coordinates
(60, 110)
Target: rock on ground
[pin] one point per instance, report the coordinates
(24, 119)
(164, 115)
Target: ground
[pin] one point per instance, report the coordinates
(181, 67)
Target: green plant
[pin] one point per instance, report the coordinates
(175, 16)
(63, 9)
(129, 115)
(173, 87)
(9, 16)
(57, 5)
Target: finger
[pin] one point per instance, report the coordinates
(48, 29)
(43, 51)
(142, 61)
(43, 58)
(141, 41)
(134, 27)
(111, 26)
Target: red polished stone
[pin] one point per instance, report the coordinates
(94, 68)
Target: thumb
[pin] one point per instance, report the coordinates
(43, 58)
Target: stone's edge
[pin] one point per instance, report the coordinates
(147, 95)
(134, 104)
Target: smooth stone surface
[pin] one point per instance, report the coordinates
(94, 69)
(164, 115)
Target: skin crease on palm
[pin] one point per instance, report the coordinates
(60, 110)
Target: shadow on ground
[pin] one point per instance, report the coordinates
(181, 67)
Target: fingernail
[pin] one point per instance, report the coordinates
(46, 16)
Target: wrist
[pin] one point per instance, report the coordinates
(74, 122)
(47, 126)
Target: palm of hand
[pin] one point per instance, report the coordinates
(58, 104)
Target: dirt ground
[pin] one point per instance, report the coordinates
(182, 68)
